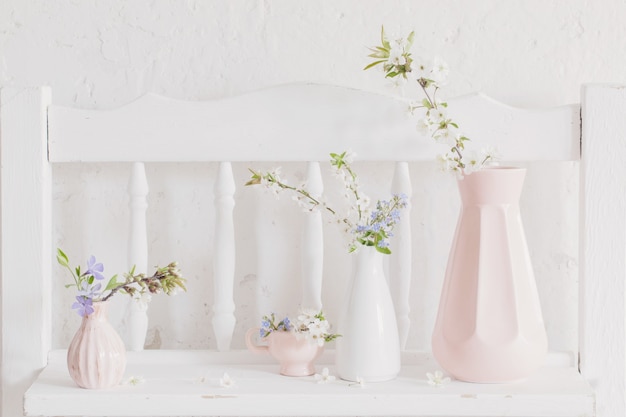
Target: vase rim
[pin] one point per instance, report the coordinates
(499, 167)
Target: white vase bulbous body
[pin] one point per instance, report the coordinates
(369, 346)
(489, 326)
(96, 357)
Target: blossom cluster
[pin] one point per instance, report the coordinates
(399, 64)
(310, 324)
(139, 286)
(364, 225)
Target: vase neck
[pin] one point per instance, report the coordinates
(492, 186)
(100, 311)
(369, 257)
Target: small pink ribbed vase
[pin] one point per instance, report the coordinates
(96, 357)
(489, 326)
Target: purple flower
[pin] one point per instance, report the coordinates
(287, 324)
(83, 306)
(89, 291)
(94, 268)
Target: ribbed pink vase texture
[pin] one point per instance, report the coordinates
(295, 353)
(489, 327)
(96, 357)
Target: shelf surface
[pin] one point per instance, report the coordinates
(187, 383)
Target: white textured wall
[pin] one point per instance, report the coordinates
(102, 54)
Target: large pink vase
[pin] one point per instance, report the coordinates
(489, 326)
(96, 357)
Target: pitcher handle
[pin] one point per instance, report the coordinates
(250, 343)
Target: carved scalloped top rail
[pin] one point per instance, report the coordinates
(301, 123)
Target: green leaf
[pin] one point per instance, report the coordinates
(383, 38)
(426, 103)
(386, 251)
(373, 64)
(409, 39)
(112, 283)
(62, 258)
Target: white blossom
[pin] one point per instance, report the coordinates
(350, 156)
(142, 300)
(448, 164)
(397, 53)
(436, 115)
(424, 126)
(134, 380)
(420, 68)
(325, 377)
(472, 161)
(437, 379)
(439, 72)
(226, 381)
(448, 136)
(490, 154)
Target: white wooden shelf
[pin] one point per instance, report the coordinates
(186, 383)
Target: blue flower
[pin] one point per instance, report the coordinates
(382, 244)
(83, 305)
(94, 269)
(287, 324)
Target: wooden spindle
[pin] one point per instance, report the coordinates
(313, 245)
(400, 265)
(137, 318)
(224, 260)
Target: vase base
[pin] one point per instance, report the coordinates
(297, 371)
(374, 378)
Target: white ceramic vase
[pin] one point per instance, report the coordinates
(96, 357)
(489, 326)
(369, 346)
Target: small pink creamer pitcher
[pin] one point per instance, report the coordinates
(295, 354)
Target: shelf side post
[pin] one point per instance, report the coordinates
(25, 212)
(603, 246)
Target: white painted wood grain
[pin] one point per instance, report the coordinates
(26, 242)
(603, 246)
